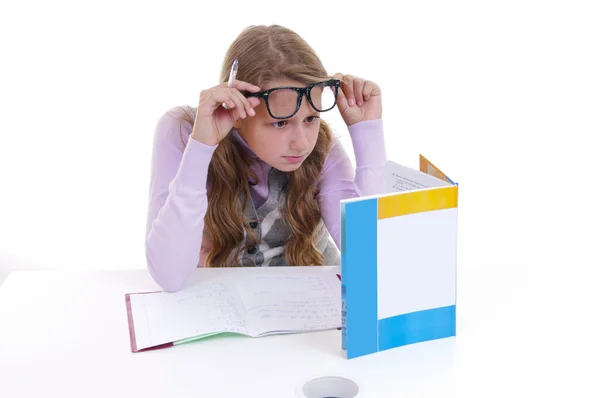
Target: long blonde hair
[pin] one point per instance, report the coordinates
(265, 53)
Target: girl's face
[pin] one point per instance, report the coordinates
(282, 143)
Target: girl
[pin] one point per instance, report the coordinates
(253, 176)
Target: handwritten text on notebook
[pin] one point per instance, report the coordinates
(254, 306)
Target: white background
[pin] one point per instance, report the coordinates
(502, 96)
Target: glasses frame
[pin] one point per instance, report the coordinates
(302, 91)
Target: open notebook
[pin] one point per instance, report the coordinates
(247, 304)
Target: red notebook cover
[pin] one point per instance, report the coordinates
(132, 329)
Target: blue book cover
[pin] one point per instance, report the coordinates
(398, 266)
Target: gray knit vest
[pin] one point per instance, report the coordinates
(267, 223)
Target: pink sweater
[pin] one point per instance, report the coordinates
(178, 195)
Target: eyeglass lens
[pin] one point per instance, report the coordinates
(283, 102)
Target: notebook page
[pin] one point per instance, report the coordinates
(292, 303)
(167, 317)
(401, 178)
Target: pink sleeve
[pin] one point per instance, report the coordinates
(177, 203)
(339, 180)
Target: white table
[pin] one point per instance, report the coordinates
(522, 332)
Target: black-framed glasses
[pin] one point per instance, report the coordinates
(284, 102)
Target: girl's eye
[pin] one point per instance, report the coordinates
(279, 125)
(282, 123)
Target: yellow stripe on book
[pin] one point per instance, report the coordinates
(417, 202)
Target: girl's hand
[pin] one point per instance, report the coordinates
(358, 99)
(213, 121)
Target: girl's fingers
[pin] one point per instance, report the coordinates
(341, 96)
(248, 105)
(348, 87)
(241, 86)
(359, 85)
(254, 101)
(367, 90)
(239, 110)
(227, 97)
(233, 100)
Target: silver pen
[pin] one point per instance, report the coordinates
(232, 75)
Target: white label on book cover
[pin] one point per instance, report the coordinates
(416, 262)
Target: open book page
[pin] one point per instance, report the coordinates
(401, 178)
(291, 303)
(203, 310)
